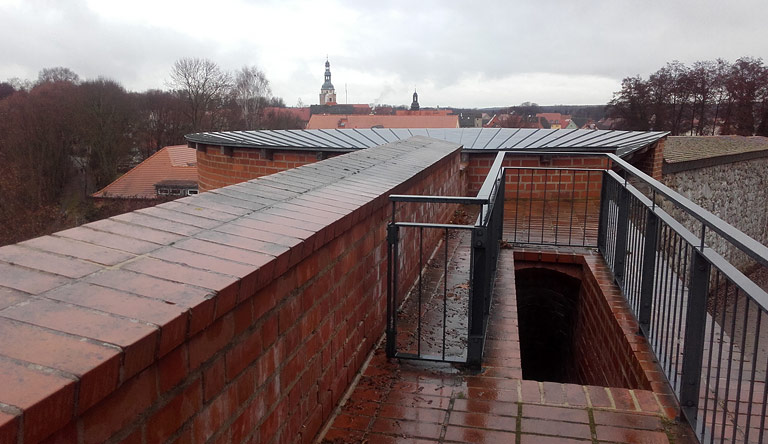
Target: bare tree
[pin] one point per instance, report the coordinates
(57, 74)
(201, 83)
(106, 130)
(251, 90)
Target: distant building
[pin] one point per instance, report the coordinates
(327, 91)
(340, 108)
(415, 103)
(559, 121)
(470, 120)
(170, 172)
(387, 121)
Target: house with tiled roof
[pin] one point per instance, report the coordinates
(170, 172)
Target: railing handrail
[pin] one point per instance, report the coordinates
(437, 199)
(738, 278)
(486, 189)
(554, 169)
(744, 242)
(432, 225)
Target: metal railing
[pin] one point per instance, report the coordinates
(553, 206)
(421, 305)
(704, 320)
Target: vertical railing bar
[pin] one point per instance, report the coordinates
(765, 404)
(544, 204)
(445, 290)
(670, 312)
(720, 359)
(389, 291)
(709, 362)
(684, 277)
(657, 275)
(664, 283)
(517, 202)
(586, 209)
(615, 220)
(635, 226)
(680, 292)
(629, 251)
(573, 203)
(741, 362)
(530, 207)
(641, 248)
(421, 272)
(647, 281)
(752, 376)
(557, 212)
(636, 254)
(730, 361)
(695, 328)
(602, 217)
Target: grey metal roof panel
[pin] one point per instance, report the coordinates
(490, 139)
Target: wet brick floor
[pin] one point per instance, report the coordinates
(399, 401)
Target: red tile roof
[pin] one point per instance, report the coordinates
(327, 121)
(178, 163)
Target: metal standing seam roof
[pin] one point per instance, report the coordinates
(473, 139)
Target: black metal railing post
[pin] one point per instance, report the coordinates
(602, 226)
(479, 283)
(622, 226)
(695, 325)
(648, 269)
(392, 238)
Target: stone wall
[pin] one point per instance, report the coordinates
(735, 192)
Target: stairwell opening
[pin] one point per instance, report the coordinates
(567, 331)
(546, 305)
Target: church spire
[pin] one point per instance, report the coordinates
(415, 103)
(327, 91)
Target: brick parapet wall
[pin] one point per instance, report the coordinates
(650, 160)
(608, 351)
(219, 166)
(239, 315)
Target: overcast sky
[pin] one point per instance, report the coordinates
(455, 53)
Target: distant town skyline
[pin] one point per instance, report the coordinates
(454, 53)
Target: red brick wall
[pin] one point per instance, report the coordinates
(265, 358)
(651, 160)
(538, 184)
(612, 363)
(217, 168)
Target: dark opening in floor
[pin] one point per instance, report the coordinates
(547, 301)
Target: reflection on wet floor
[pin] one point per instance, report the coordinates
(433, 320)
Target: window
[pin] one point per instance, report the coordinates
(191, 192)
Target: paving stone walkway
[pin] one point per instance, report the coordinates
(415, 402)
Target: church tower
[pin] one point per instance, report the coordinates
(415, 103)
(327, 92)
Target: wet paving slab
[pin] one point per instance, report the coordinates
(407, 401)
